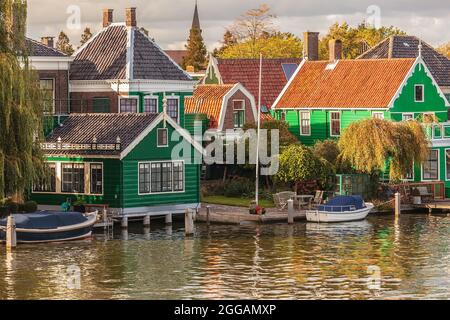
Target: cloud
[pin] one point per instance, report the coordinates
(169, 20)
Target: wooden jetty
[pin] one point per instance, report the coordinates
(441, 205)
(236, 215)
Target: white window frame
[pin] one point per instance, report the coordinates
(139, 178)
(53, 94)
(331, 123)
(423, 92)
(407, 114)
(438, 167)
(446, 172)
(162, 193)
(239, 109)
(179, 107)
(87, 185)
(300, 118)
(90, 175)
(157, 138)
(128, 97)
(151, 97)
(374, 113)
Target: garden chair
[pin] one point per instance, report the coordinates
(281, 199)
(317, 200)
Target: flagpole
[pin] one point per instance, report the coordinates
(259, 127)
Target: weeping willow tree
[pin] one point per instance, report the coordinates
(21, 103)
(370, 144)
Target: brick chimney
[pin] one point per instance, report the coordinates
(335, 49)
(311, 43)
(48, 41)
(130, 17)
(107, 17)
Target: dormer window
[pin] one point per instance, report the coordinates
(418, 93)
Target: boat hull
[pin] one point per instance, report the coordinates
(333, 217)
(69, 233)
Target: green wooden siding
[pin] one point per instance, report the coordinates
(147, 151)
(111, 185)
(180, 95)
(190, 120)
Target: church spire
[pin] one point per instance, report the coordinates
(196, 20)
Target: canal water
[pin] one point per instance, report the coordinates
(380, 258)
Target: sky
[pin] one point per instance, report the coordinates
(169, 21)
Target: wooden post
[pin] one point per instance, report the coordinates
(125, 222)
(290, 211)
(147, 221)
(188, 222)
(105, 215)
(169, 218)
(398, 204)
(11, 236)
(208, 209)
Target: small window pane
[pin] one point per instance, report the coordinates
(96, 179)
(162, 138)
(178, 176)
(172, 109)
(144, 178)
(305, 123)
(151, 105)
(407, 116)
(128, 105)
(378, 115)
(156, 177)
(335, 123)
(72, 178)
(431, 166)
(418, 92)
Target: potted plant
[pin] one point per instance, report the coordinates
(78, 205)
(417, 199)
(256, 209)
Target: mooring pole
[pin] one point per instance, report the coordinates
(11, 236)
(125, 222)
(208, 211)
(188, 222)
(147, 221)
(169, 218)
(290, 211)
(398, 204)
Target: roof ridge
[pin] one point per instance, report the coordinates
(51, 48)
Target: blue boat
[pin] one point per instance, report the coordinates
(341, 209)
(50, 226)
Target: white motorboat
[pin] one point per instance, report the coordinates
(341, 209)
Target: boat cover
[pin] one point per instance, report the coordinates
(343, 204)
(46, 220)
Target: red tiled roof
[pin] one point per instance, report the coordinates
(177, 55)
(350, 84)
(246, 72)
(208, 100)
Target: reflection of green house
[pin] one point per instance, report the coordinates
(136, 163)
(324, 97)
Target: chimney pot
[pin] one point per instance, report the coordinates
(311, 43)
(130, 17)
(335, 49)
(48, 41)
(107, 17)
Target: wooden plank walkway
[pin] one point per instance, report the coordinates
(237, 215)
(443, 205)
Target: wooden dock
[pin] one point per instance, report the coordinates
(235, 215)
(441, 205)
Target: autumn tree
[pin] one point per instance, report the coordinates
(354, 38)
(87, 34)
(63, 44)
(401, 144)
(444, 49)
(21, 106)
(254, 33)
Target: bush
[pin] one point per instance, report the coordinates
(30, 206)
(13, 207)
(239, 187)
(3, 212)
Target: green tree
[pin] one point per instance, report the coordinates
(353, 37)
(21, 104)
(228, 41)
(329, 151)
(87, 34)
(63, 44)
(196, 55)
(299, 165)
(444, 49)
(370, 144)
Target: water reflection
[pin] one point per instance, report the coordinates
(301, 261)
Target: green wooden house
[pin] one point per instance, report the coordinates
(324, 97)
(138, 164)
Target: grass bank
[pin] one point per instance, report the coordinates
(236, 202)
